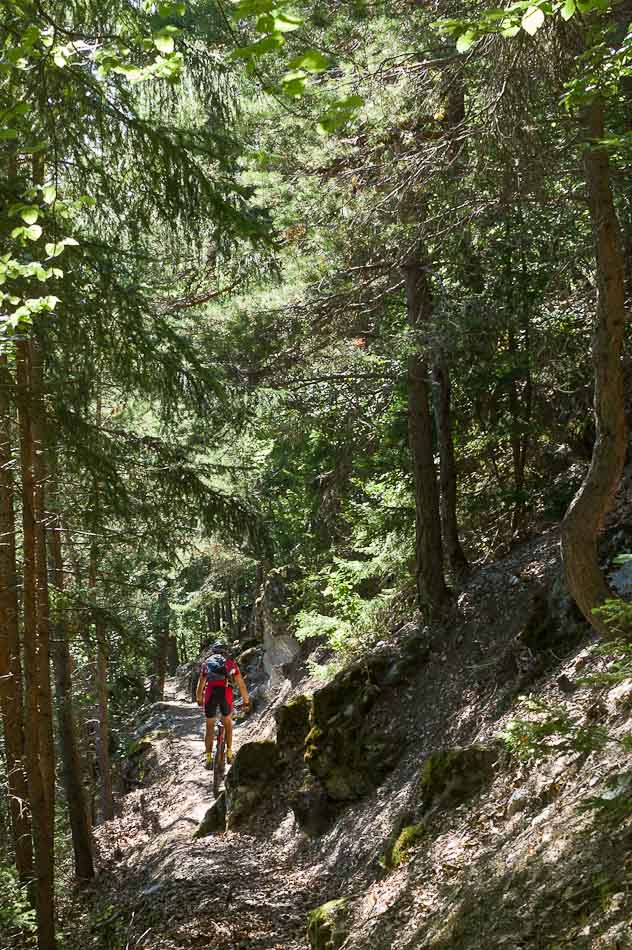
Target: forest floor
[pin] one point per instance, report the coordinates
(161, 889)
(523, 862)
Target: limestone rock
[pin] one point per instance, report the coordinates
(621, 696)
(327, 925)
(518, 801)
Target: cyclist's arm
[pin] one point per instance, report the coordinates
(199, 692)
(243, 689)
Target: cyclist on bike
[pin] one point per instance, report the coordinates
(214, 690)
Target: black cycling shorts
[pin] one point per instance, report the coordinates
(217, 697)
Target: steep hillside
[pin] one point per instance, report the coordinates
(421, 826)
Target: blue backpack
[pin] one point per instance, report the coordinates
(216, 667)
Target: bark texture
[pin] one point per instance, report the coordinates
(72, 773)
(38, 755)
(585, 516)
(447, 471)
(431, 587)
(11, 694)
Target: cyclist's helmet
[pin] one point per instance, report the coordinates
(220, 648)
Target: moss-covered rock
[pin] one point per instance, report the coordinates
(215, 818)
(327, 925)
(454, 775)
(404, 842)
(341, 748)
(293, 724)
(404, 834)
(254, 774)
(254, 763)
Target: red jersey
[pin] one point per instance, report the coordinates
(232, 670)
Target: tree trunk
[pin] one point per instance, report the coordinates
(584, 519)
(103, 716)
(172, 655)
(70, 757)
(11, 694)
(162, 643)
(101, 668)
(442, 391)
(38, 757)
(229, 609)
(41, 567)
(431, 587)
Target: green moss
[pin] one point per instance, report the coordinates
(406, 839)
(326, 925)
(139, 747)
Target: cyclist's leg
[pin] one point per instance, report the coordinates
(226, 709)
(228, 723)
(210, 710)
(210, 735)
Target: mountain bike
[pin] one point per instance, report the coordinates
(219, 759)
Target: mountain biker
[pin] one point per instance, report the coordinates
(214, 689)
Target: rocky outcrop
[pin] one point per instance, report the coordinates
(139, 764)
(281, 648)
(293, 725)
(313, 809)
(327, 926)
(215, 818)
(254, 773)
(342, 749)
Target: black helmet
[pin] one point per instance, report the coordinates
(219, 648)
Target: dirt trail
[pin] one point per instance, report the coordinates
(229, 890)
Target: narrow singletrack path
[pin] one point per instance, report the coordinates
(231, 891)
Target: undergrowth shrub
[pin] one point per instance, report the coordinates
(553, 730)
(17, 917)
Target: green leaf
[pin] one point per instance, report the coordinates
(164, 43)
(312, 61)
(59, 58)
(34, 232)
(339, 113)
(532, 20)
(6, 134)
(171, 9)
(266, 45)
(29, 215)
(568, 9)
(286, 23)
(246, 8)
(293, 83)
(49, 193)
(465, 40)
